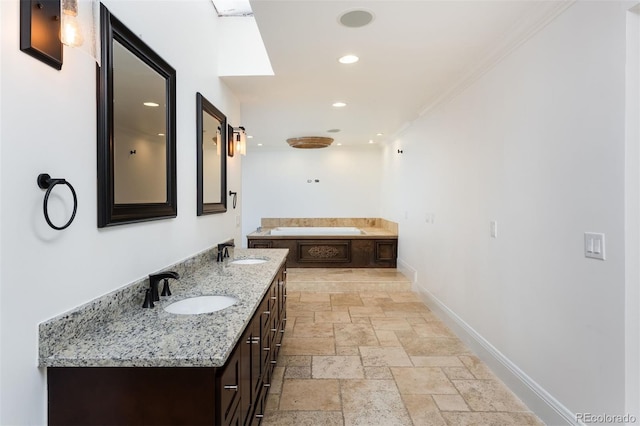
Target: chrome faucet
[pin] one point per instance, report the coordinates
(223, 249)
(152, 292)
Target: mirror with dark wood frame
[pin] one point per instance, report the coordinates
(212, 140)
(136, 129)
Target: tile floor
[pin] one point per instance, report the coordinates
(361, 349)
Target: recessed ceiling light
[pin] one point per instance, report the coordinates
(379, 134)
(339, 144)
(250, 137)
(259, 144)
(151, 104)
(339, 104)
(356, 18)
(370, 140)
(348, 59)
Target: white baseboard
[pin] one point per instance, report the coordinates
(539, 401)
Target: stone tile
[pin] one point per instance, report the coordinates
(423, 410)
(405, 314)
(384, 356)
(313, 329)
(418, 319)
(310, 395)
(293, 314)
(436, 361)
(311, 306)
(373, 402)
(347, 350)
(308, 346)
(430, 316)
(366, 311)
(301, 319)
(303, 418)
(432, 329)
(273, 401)
(422, 381)
(337, 367)
(430, 346)
(450, 403)
(405, 307)
(477, 367)
(306, 297)
(346, 299)
(488, 395)
(295, 372)
(457, 373)
(378, 373)
(373, 295)
(355, 334)
(492, 419)
(340, 308)
(276, 380)
(360, 320)
(294, 360)
(387, 338)
(293, 296)
(405, 296)
(375, 301)
(333, 317)
(390, 324)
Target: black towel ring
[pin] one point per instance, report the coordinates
(46, 182)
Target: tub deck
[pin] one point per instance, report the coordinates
(331, 247)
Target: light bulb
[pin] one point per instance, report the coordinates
(70, 31)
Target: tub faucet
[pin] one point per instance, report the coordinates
(154, 280)
(223, 249)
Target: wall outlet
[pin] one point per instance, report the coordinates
(493, 228)
(594, 245)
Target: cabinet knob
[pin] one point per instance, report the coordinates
(232, 387)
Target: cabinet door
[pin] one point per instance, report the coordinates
(230, 388)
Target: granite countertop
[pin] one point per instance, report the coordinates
(132, 336)
(367, 232)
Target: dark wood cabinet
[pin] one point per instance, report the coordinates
(234, 394)
(332, 252)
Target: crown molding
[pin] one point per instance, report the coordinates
(541, 14)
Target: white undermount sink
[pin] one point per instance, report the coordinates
(248, 261)
(201, 305)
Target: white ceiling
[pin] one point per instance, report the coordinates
(413, 55)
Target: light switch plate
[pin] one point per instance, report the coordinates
(493, 225)
(594, 245)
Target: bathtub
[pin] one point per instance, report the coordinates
(315, 230)
(330, 246)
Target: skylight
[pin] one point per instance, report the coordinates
(233, 7)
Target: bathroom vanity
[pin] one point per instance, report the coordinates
(113, 362)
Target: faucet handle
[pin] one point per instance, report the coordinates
(148, 299)
(166, 291)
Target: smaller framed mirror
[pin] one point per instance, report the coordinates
(212, 135)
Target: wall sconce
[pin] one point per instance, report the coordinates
(240, 138)
(46, 24)
(230, 142)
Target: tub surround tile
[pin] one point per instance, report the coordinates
(114, 330)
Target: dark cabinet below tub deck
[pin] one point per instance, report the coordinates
(234, 394)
